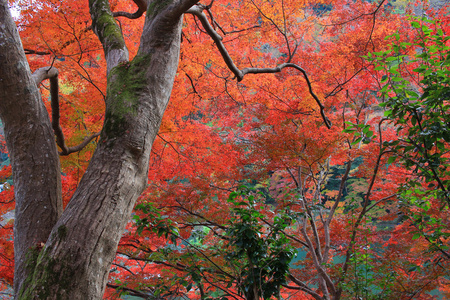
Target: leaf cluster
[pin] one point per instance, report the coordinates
(265, 253)
(416, 95)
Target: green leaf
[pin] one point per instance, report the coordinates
(415, 24)
(391, 159)
(356, 141)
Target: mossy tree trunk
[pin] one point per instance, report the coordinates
(81, 243)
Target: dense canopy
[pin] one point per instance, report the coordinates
(254, 149)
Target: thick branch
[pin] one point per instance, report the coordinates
(142, 7)
(198, 12)
(137, 14)
(52, 73)
(302, 287)
(44, 73)
(141, 4)
(108, 32)
(182, 7)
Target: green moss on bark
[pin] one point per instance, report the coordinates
(108, 31)
(126, 83)
(47, 273)
(62, 232)
(157, 6)
(30, 264)
(111, 35)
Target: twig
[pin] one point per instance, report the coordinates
(198, 12)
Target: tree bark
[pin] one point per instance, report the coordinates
(32, 149)
(79, 249)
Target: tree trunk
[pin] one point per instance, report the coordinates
(31, 146)
(78, 252)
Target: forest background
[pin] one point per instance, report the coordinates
(324, 178)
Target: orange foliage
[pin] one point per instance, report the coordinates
(218, 133)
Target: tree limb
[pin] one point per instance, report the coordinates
(327, 282)
(197, 11)
(302, 287)
(80, 146)
(105, 27)
(358, 17)
(137, 14)
(326, 225)
(37, 52)
(142, 7)
(133, 292)
(51, 73)
(363, 211)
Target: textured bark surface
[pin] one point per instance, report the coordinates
(84, 241)
(80, 247)
(31, 145)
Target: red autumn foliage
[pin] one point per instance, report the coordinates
(265, 131)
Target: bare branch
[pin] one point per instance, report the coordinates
(282, 32)
(137, 14)
(44, 73)
(133, 292)
(52, 73)
(302, 287)
(197, 11)
(326, 225)
(379, 201)
(340, 86)
(292, 237)
(142, 7)
(305, 75)
(340, 193)
(327, 282)
(358, 17)
(37, 52)
(80, 146)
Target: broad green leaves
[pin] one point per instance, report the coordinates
(416, 95)
(264, 251)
